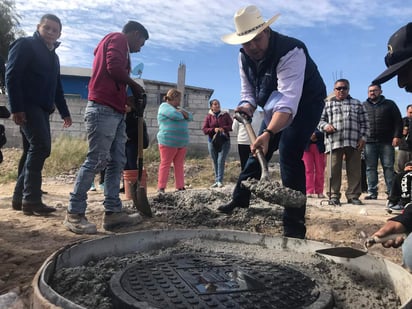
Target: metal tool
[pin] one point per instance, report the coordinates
(267, 190)
(140, 201)
(329, 201)
(252, 137)
(349, 252)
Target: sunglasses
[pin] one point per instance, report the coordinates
(341, 88)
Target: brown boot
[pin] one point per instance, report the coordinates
(36, 209)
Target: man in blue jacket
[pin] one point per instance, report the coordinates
(35, 90)
(277, 74)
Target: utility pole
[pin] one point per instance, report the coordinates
(181, 79)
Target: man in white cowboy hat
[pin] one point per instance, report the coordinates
(278, 75)
(399, 62)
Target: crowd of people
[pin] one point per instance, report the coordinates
(310, 131)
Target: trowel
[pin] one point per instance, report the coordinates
(351, 253)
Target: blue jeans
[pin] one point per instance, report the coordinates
(386, 154)
(291, 143)
(37, 132)
(407, 251)
(219, 159)
(106, 134)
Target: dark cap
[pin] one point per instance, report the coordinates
(399, 53)
(409, 163)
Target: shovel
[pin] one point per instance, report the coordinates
(252, 137)
(140, 201)
(272, 192)
(351, 253)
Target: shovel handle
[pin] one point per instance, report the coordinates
(252, 137)
(378, 240)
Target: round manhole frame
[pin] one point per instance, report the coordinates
(82, 251)
(192, 274)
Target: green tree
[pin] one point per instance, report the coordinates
(9, 26)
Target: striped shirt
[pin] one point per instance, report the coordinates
(350, 120)
(173, 127)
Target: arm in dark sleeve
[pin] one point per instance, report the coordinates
(227, 123)
(60, 101)
(397, 122)
(206, 128)
(20, 56)
(405, 218)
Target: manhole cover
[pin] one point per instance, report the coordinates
(215, 281)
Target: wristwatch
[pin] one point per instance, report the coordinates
(270, 132)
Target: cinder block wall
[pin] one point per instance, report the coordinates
(196, 100)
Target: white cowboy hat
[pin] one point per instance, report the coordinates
(249, 23)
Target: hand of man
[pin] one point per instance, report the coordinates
(361, 144)
(245, 108)
(329, 128)
(391, 227)
(67, 122)
(261, 143)
(19, 118)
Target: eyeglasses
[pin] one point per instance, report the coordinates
(341, 88)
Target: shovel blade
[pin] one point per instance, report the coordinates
(140, 200)
(344, 252)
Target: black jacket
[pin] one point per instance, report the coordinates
(406, 142)
(385, 121)
(132, 130)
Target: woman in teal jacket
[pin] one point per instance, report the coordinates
(173, 138)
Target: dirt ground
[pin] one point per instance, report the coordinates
(26, 241)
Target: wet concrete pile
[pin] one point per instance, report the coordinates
(197, 208)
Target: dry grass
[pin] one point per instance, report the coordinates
(69, 153)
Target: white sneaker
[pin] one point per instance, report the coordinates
(219, 184)
(77, 223)
(214, 185)
(120, 219)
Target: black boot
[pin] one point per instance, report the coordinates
(228, 208)
(36, 209)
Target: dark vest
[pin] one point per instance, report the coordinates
(263, 76)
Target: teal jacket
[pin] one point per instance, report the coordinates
(173, 127)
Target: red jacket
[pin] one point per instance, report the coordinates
(223, 120)
(111, 69)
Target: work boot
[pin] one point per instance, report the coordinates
(112, 220)
(16, 205)
(228, 208)
(37, 209)
(77, 223)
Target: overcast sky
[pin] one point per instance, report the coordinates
(345, 38)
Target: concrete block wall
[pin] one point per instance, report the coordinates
(196, 101)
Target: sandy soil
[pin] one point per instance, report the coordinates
(26, 241)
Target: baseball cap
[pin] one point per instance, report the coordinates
(409, 163)
(399, 53)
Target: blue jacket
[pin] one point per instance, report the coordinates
(33, 77)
